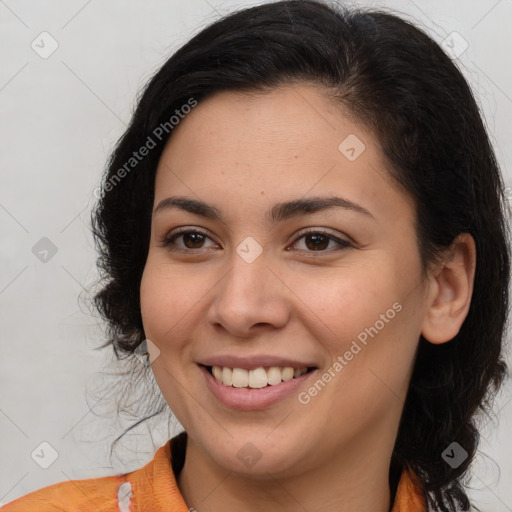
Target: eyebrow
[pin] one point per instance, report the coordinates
(278, 213)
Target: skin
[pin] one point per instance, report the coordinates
(244, 153)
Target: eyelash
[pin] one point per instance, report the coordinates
(168, 241)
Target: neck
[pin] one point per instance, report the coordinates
(347, 483)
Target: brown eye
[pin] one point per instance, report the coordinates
(318, 241)
(191, 240)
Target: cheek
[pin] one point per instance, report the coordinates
(157, 302)
(350, 299)
(169, 297)
(367, 315)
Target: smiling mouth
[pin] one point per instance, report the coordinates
(257, 378)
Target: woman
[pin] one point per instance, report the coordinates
(304, 224)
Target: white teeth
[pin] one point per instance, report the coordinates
(217, 372)
(274, 375)
(257, 378)
(227, 376)
(240, 378)
(287, 373)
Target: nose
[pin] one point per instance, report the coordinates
(250, 297)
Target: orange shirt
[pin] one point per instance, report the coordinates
(153, 488)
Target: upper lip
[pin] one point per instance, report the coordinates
(257, 361)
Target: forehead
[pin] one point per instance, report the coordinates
(288, 142)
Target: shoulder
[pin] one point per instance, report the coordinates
(152, 487)
(71, 496)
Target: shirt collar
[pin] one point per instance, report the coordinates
(154, 486)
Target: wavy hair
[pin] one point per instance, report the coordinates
(396, 80)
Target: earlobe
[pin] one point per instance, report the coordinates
(451, 291)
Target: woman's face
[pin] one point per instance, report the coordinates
(347, 299)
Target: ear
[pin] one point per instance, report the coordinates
(450, 291)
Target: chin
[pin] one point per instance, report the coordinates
(258, 458)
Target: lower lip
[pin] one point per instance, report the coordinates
(248, 399)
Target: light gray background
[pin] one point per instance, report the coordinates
(59, 119)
